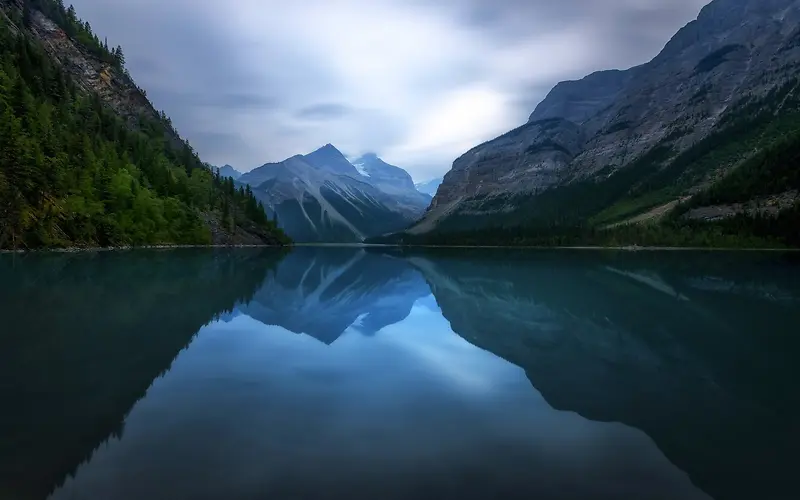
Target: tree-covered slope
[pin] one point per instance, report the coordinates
(81, 168)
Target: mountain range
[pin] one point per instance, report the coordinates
(688, 140)
(323, 197)
(698, 146)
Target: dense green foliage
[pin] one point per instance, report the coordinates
(772, 170)
(741, 231)
(74, 173)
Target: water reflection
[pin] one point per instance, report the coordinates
(707, 372)
(85, 335)
(332, 373)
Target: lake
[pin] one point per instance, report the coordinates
(388, 374)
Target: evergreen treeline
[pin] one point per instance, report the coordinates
(741, 231)
(74, 173)
(773, 170)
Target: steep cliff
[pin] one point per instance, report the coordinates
(110, 81)
(724, 84)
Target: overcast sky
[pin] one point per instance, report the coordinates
(419, 82)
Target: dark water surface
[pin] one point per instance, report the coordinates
(364, 374)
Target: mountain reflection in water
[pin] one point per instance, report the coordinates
(342, 372)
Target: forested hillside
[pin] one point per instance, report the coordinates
(75, 173)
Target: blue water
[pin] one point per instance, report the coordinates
(354, 373)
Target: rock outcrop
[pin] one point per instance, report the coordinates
(114, 86)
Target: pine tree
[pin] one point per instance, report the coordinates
(119, 57)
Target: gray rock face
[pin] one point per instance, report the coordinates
(608, 119)
(115, 87)
(329, 159)
(579, 100)
(527, 159)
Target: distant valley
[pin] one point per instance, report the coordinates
(429, 187)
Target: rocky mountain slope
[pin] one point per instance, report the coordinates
(393, 181)
(631, 140)
(92, 73)
(322, 197)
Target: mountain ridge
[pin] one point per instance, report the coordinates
(322, 197)
(637, 138)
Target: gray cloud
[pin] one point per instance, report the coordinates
(418, 82)
(324, 111)
(224, 101)
(230, 143)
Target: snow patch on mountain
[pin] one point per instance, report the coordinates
(362, 168)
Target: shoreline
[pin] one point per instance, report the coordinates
(626, 248)
(382, 245)
(631, 249)
(128, 248)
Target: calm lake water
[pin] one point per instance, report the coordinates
(347, 373)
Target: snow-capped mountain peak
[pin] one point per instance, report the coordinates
(324, 197)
